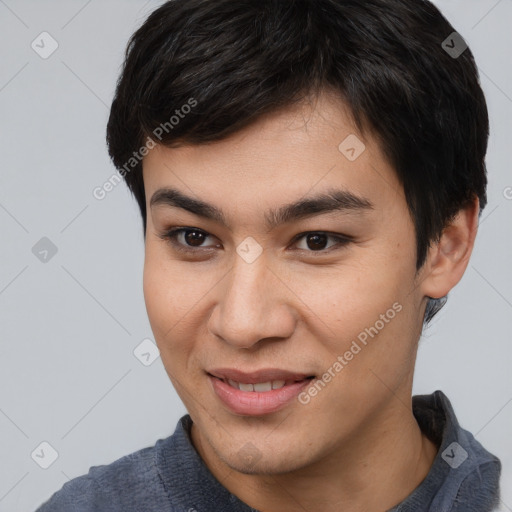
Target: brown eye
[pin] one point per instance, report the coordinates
(318, 242)
(187, 239)
(194, 238)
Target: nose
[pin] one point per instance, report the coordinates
(254, 303)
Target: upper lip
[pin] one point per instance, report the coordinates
(254, 377)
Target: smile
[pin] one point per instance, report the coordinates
(261, 387)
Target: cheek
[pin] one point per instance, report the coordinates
(166, 308)
(366, 301)
(157, 285)
(168, 295)
(350, 296)
(176, 297)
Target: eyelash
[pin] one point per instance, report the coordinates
(171, 235)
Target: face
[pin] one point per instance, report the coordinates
(256, 290)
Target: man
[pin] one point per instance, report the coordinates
(310, 175)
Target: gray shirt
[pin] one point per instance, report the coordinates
(171, 477)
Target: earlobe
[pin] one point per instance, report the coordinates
(448, 258)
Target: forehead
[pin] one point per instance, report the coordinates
(283, 156)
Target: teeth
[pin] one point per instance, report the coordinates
(259, 387)
(233, 384)
(263, 386)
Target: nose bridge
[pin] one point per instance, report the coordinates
(250, 305)
(247, 296)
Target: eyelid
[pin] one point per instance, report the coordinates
(170, 236)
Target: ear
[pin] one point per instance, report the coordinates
(447, 259)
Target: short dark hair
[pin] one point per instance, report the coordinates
(237, 60)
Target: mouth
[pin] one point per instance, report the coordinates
(257, 393)
(262, 380)
(261, 387)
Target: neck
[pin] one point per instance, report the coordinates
(374, 470)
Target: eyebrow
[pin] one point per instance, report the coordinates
(330, 201)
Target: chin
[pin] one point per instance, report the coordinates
(250, 460)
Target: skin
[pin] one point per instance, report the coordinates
(356, 445)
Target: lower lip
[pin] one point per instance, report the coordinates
(254, 403)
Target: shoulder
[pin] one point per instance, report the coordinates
(124, 485)
(480, 489)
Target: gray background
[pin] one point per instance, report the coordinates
(69, 326)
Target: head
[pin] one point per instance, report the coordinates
(275, 121)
